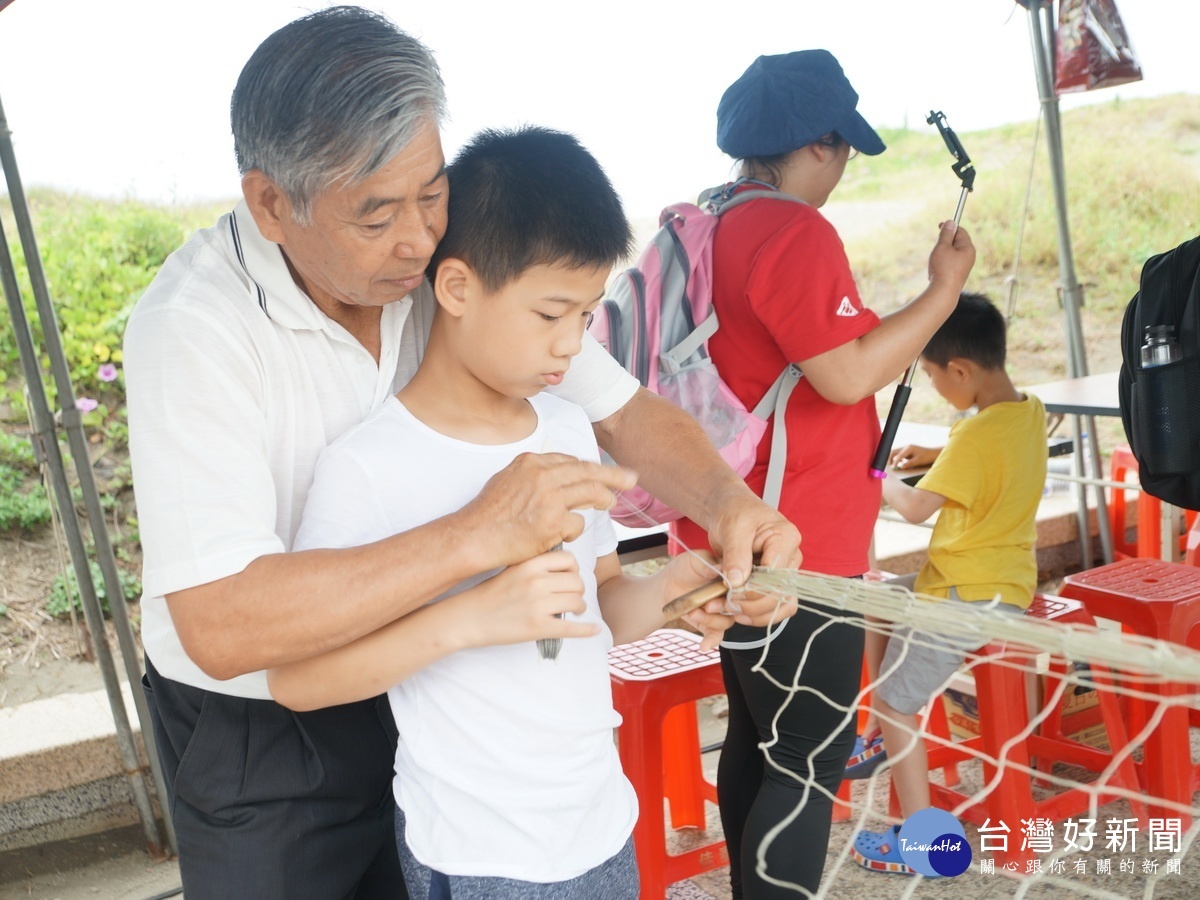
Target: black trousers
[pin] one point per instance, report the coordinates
(755, 797)
(268, 803)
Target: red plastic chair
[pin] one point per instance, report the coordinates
(656, 683)
(1148, 543)
(1159, 600)
(1001, 689)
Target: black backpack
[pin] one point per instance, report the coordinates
(1160, 405)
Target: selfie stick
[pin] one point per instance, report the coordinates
(966, 173)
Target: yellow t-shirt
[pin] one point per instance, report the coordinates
(991, 473)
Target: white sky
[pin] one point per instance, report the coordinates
(131, 97)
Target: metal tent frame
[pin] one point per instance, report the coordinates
(49, 454)
(1041, 32)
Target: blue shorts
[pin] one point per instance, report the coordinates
(614, 879)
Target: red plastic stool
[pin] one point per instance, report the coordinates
(1121, 465)
(1160, 600)
(1191, 548)
(1148, 544)
(1000, 679)
(655, 684)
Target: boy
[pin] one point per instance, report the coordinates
(507, 779)
(987, 483)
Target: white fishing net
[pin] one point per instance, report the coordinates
(1107, 839)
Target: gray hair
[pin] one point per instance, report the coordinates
(331, 98)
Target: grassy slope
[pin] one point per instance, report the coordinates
(1132, 177)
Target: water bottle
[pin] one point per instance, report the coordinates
(1167, 448)
(1160, 346)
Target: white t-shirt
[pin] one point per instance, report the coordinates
(235, 383)
(506, 765)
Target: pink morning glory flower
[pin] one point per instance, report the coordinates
(107, 372)
(86, 404)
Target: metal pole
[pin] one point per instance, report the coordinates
(1070, 291)
(49, 449)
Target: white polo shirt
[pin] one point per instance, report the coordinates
(235, 383)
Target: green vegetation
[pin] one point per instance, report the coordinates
(23, 503)
(64, 593)
(98, 257)
(1132, 175)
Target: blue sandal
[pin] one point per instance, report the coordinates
(866, 757)
(879, 851)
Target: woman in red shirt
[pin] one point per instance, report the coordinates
(784, 292)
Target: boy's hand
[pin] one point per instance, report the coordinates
(687, 572)
(910, 456)
(761, 610)
(691, 570)
(526, 508)
(952, 257)
(522, 603)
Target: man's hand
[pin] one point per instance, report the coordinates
(526, 508)
(522, 603)
(744, 528)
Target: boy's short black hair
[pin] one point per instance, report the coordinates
(974, 331)
(526, 197)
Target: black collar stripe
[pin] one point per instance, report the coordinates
(237, 248)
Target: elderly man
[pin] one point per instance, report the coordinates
(263, 339)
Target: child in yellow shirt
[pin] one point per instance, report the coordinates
(985, 486)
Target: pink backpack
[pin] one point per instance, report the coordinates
(656, 322)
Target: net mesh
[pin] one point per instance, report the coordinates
(1105, 837)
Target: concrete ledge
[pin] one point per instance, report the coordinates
(61, 772)
(86, 809)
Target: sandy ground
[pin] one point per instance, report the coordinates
(113, 866)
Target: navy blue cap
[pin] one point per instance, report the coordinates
(788, 101)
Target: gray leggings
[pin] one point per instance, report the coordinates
(614, 879)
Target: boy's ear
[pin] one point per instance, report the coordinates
(960, 369)
(267, 203)
(452, 284)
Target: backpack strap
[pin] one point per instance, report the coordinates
(718, 201)
(672, 360)
(775, 402)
